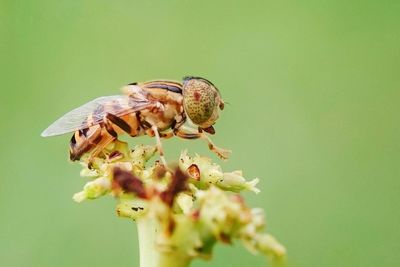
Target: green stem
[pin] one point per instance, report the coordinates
(147, 232)
(149, 255)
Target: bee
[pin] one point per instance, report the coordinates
(156, 108)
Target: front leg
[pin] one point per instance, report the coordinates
(221, 152)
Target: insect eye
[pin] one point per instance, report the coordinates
(221, 105)
(201, 101)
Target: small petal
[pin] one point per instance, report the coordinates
(185, 202)
(79, 197)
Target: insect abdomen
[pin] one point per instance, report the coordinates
(99, 136)
(83, 141)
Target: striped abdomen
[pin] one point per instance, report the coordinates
(97, 137)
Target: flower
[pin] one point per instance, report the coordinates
(194, 205)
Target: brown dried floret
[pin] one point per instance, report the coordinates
(128, 183)
(178, 184)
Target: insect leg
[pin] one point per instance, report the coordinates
(108, 135)
(166, 135)
(106, 139)
(154, 132)
(222, 153)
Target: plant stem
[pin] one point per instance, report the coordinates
(147, 232)
(149, 255)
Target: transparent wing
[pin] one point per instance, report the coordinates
(93, 113)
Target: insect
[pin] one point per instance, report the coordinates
(157, 108)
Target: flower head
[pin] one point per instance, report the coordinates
(194, 204)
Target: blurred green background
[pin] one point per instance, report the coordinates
(313, 88)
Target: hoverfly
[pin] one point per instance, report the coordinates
(157, 108)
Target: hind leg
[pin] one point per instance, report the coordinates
(103, 143)
(107, 136)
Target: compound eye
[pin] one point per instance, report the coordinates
(199, 99)
(221, 105)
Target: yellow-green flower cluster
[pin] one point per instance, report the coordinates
(193, 205)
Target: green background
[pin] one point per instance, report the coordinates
(313, 88)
